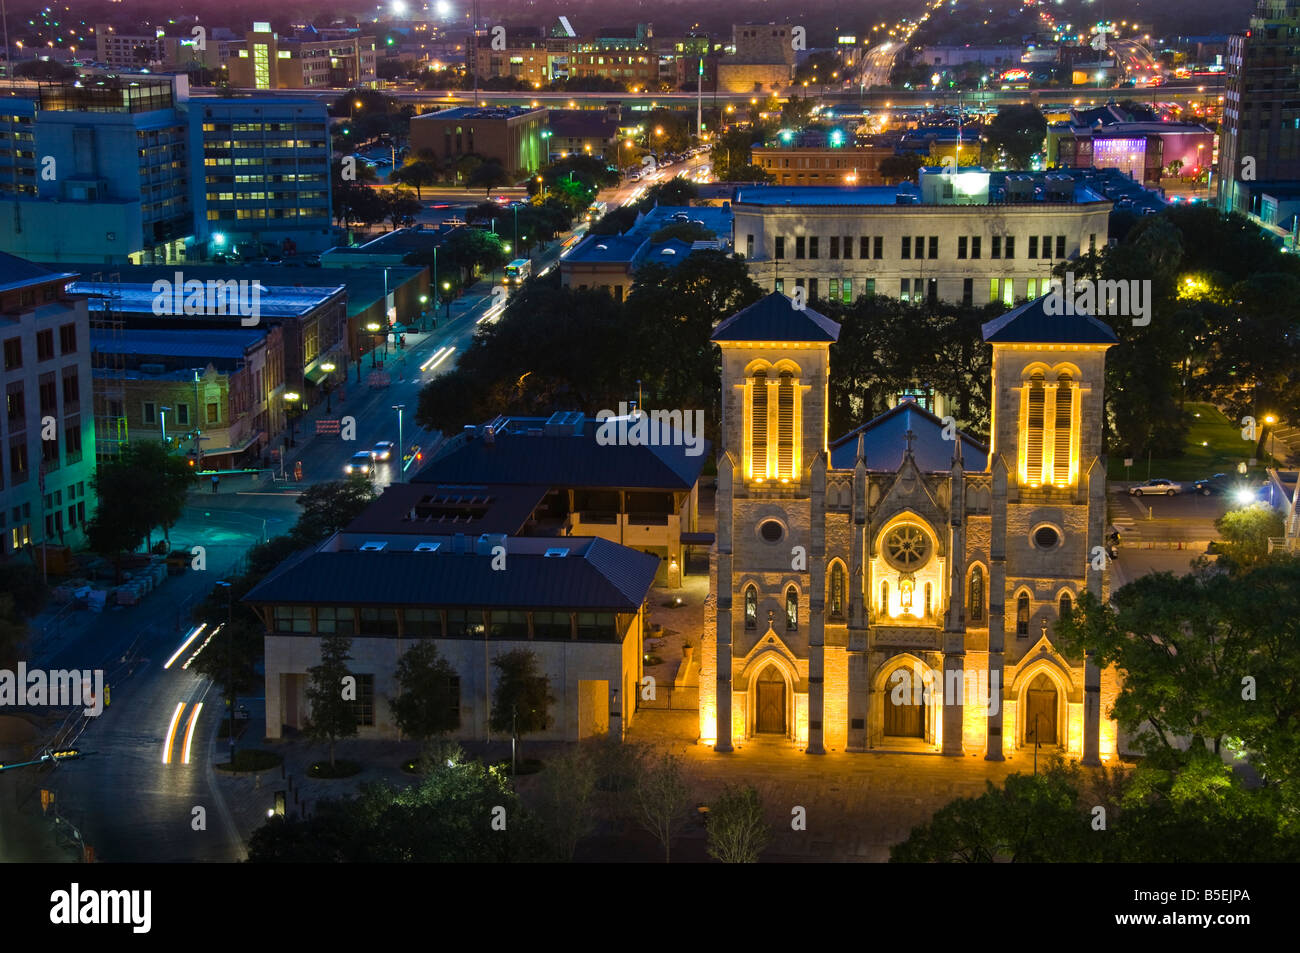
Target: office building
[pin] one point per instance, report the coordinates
(270, 61)
(47, 434)
(510, 135)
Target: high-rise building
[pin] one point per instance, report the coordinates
(265, 175)
(270, 61)
(1260, 138)
(47, 432)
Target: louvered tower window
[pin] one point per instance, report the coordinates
(758, 424)
(785, 426)
(1061, 436)
(1034, 432)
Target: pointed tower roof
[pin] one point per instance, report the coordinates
(775, 318)
(1031, 324)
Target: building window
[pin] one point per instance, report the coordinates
(1060, 246)
(975, 246)
(812, 247)
(68, 339)
(1033, 246)
(1063, 431)
(878, 247)
(835, 247)
(555, 626)
(758, 424)
(1066, 606)
(848, 246)
(44, 345)
(791, 609)
(1033, 426)
(967, 291)
(292, 618)
(864, 243)
(751, 607)
(975, 596)
(778, 251)
(1011, 247)
(365, 703)
(749, 246)
(995, 246)
(13, 354)
(597, 627)
(465, 623)
(378, 622)
(1022, 615)
(214, 412)
(332, 620)
(884, 598)
(961, 246)
(934, 246)
(835, 598)
(150, 412)
(905, 247)
(799, 246)
(785, 426)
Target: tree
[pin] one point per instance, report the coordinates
(488, 175)
(1031, 819)
(1208, 659)
(737, 832)
(23, 583)
(448, 817)
(328, 507)
(564, 799)
(663, 800)
(675, 191)
(522, 702)
(896, 169)
(400, 204)
(333, 715)
(13, 632)
(145, 487)
(429, 701)
(1245, 533)
(683, 231)
(1017, 131)
(357, 203)
(417, 173)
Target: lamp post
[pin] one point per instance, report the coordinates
(230, 635)
(373, 328)
(446, 298)
(328, 368)
(401, 447)
(424, 309)
(291, 411)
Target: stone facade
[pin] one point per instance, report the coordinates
(829, 580)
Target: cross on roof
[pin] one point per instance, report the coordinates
(909, 437)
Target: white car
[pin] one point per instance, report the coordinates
(383, 450)
(362, 462)
(1156, 487)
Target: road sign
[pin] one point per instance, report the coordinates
(47, 799)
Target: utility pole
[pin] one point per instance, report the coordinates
(401, 447)
(230, 634)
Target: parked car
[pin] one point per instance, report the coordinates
(1156, 487)
(1214, 485)
(362, 462)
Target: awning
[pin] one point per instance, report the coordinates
(243, 445)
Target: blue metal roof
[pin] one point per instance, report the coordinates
(594, 574)
(885, 443)
(775, 318)
(1031, 324)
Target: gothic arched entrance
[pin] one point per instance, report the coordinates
(1040, 711)
(769, 701)
(905, 715)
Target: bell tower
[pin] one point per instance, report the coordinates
(770, 556)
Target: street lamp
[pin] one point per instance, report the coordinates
(1270, 419)
(328, 368)
(401, 447)
(291, 398)
(446, 298)
(373, 328)
(230, 635)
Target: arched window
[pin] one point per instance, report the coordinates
(751, 607)
(905, 588)
(1033, 427)
(975, 596)
(1066, 608)
(791, 609)
(1022, 614)
(884, 598)
(785, 426)
(1061, 435)
(835, 598)
(758, 424)
(929, 604)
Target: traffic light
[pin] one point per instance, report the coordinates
(66, 754)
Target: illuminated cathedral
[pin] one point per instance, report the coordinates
(897, 588)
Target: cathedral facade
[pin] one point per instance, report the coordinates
(897, 588)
